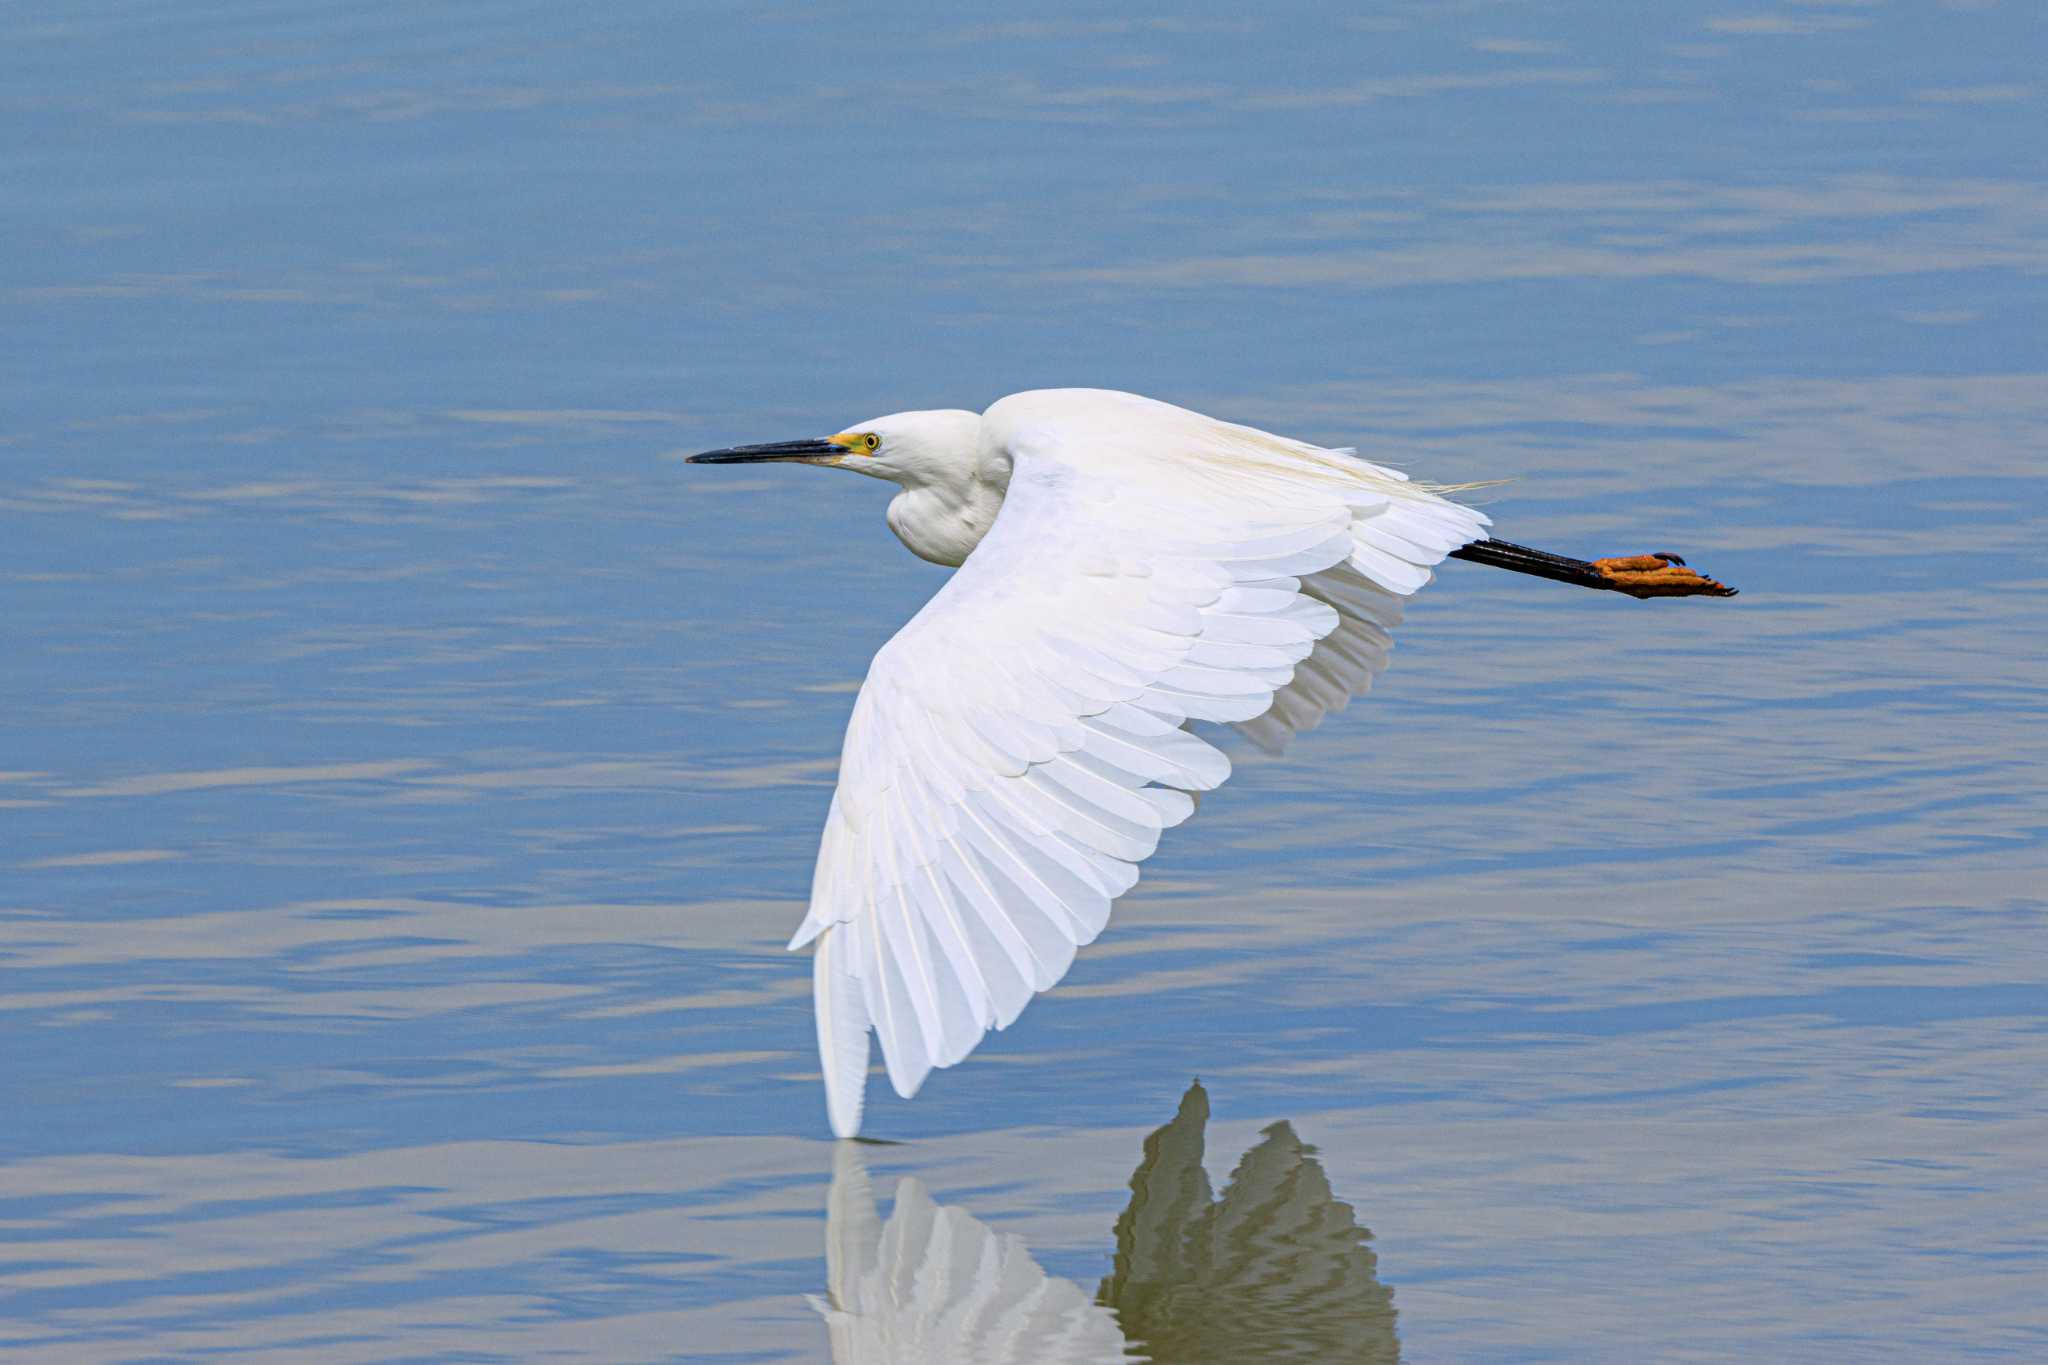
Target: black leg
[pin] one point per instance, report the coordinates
(1643, 576)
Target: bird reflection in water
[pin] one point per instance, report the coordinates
(1277, 1269)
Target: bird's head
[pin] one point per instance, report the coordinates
(915, 449)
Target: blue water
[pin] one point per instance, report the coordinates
(409, 771)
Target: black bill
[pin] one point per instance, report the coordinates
(813, 448)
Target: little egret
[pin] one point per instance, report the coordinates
(1125, 567)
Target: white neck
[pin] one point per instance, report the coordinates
(943, 522)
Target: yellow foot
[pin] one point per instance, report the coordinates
(1658, 575)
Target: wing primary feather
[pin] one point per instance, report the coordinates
(1004, 862)
(906, 1049)
(842, 1021)
(943, 917)
(913, 959)
(1032, 961)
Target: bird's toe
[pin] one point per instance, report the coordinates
(1658, 575)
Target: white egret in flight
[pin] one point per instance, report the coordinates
(1125, 567)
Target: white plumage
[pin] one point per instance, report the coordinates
(1126, 567)
(1019, 746)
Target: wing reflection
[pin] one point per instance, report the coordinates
(936, 1285)
(1275, 1270)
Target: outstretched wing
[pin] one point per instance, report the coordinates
(1018, 746)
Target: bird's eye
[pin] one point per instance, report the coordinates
(871, 443)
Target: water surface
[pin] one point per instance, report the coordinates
(409, 772)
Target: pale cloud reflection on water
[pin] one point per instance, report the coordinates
(411, 771)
